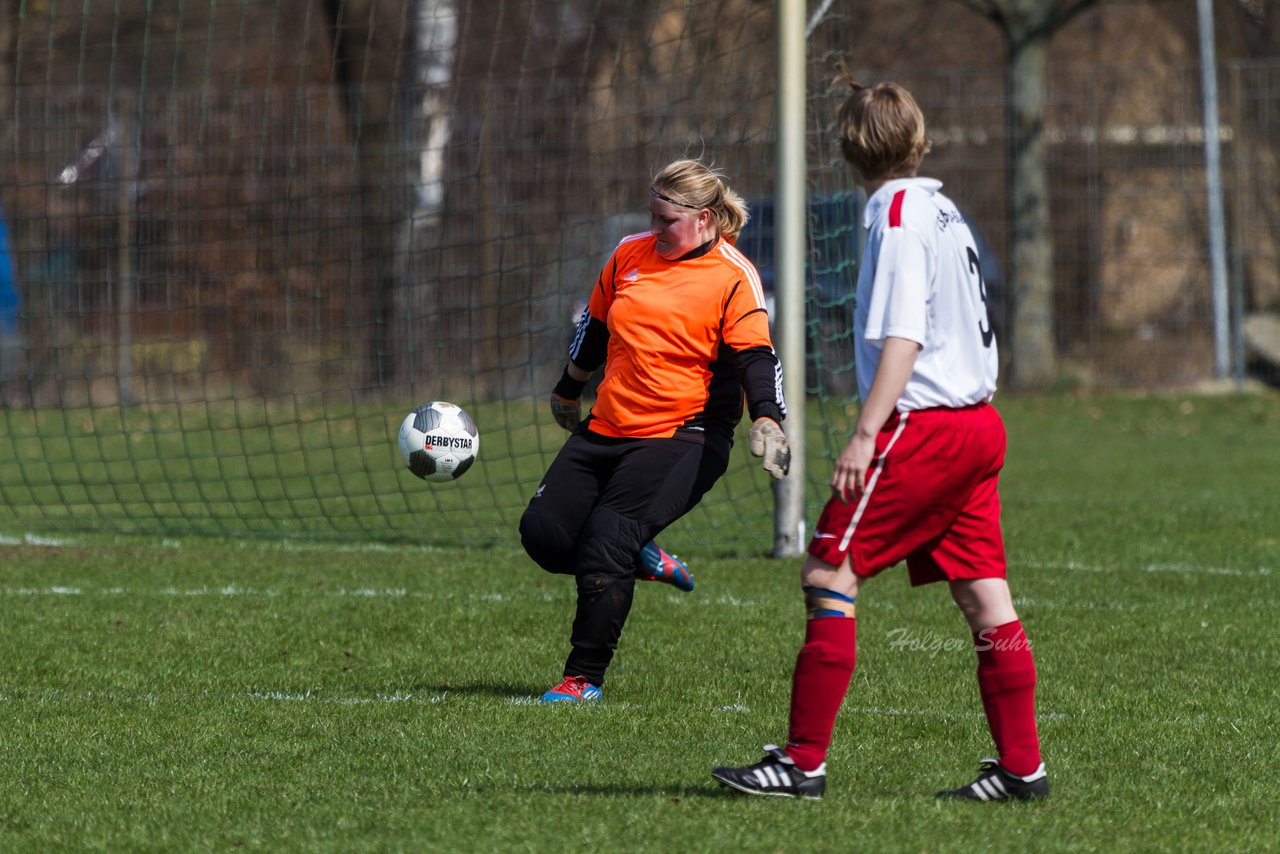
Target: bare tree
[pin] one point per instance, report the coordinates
(371, 43)
(8, 57)
(1028, 26)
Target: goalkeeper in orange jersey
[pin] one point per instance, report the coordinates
(677, 318)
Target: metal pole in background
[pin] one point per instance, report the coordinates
(1213, 186)
(1238, 220)
(789, 260)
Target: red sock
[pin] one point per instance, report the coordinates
(1007, 683)
(823, 669)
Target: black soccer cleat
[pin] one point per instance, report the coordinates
(774, 775)
(996, 784)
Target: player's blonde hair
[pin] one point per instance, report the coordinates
(694, 185)
(881, 129)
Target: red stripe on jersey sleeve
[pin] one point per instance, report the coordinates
(895, 209)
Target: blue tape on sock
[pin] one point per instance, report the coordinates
(821, 603)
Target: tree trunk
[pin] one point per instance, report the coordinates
(1028, 25)
(370, 50)
(8, 57)
(1034, 362)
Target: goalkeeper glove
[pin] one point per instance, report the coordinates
(566, 412)
(768, 441)
(566, 408)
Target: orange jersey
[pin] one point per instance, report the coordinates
(674, 329)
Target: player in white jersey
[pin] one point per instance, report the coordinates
(925, 287)
(918, 479)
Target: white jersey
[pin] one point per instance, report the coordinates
(920, 279)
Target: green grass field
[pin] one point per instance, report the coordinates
(207, 693)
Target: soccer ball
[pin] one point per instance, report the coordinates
(438, 441)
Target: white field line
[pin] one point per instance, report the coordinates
(320, 546)
(316, 697)
(534, 700)
(1180, 568)
(35, 540)
(29, 539)
(59, 696)
(412, 699)
(444, 697)
(1080, 605)
(394, 594)
(232, 591)
(890, 712)
(409, 697)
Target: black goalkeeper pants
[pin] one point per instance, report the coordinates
(600, 502)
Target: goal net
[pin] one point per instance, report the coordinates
(244, 240)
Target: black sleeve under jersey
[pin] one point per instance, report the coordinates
(590, 343)
(761, 376)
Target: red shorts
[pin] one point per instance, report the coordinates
(930, 499)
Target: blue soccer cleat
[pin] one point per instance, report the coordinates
(657, 565)
(574, 689)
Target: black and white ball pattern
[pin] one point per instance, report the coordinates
(439, 441)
